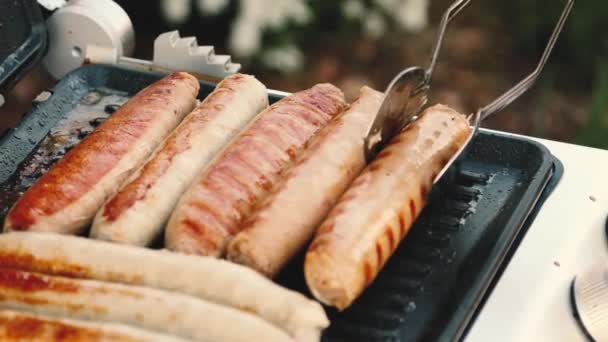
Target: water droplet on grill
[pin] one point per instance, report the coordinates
(96, 122)
(91, 98)
(411, 307)
(111, 108)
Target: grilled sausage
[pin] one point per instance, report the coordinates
(218, 281)
(372, 217)
(210, 213)
(18, 326)
(137, 213)
(66, 198)
(158, 310)
(287, 219)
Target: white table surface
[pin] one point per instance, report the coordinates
(531, 300)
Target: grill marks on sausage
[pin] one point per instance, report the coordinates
(249, 167)
(80, 169)
(178, 142)
(377, 222)
(368, 272)
(30, 263)
(19, 327)
(412, 209)
(59, 267)
(402, 227)
(379, 252)
(30, 282)
(390, 236)
(424, 191)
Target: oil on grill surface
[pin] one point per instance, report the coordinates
(92, 110)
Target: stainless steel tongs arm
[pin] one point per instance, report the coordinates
(406, 95)
(447, 18)
(515, 92)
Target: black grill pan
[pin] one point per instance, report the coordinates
(437, 279)
(22, 39)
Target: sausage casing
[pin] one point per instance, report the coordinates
(374, 215)
(137, 213)
(157, 310)
(66, 198)
(18, 326)
(212, 210)
(287, 219)
(215, 280)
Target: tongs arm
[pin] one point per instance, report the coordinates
(515, 92)
(447, 18)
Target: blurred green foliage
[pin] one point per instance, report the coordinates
(581, 55)
(595, 132)
(583, 43)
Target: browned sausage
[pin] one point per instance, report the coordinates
(210, 213)
(137, 213)
(65, 199)
(374, 215)
(287, 219)
(18, 326)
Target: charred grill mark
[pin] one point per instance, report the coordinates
(30, 263)
(424, 191)
(326, 228)
(30, 282)
(384, 154)
(194, 227)
(368, 272)
(402, 230)
(375, 166)
(412, 209)
(390, 236)
(379, 252)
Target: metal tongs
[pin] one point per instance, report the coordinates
(407, 93)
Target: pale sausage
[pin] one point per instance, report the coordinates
(374, 215)
(213, 209)
(287, 219)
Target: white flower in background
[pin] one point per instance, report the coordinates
(353, 9)
(245, 38)
(389, 6)
(374, 24)
(285, 58)
(212, 7)
(175, 11)
(413, 14)
(258, 15)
